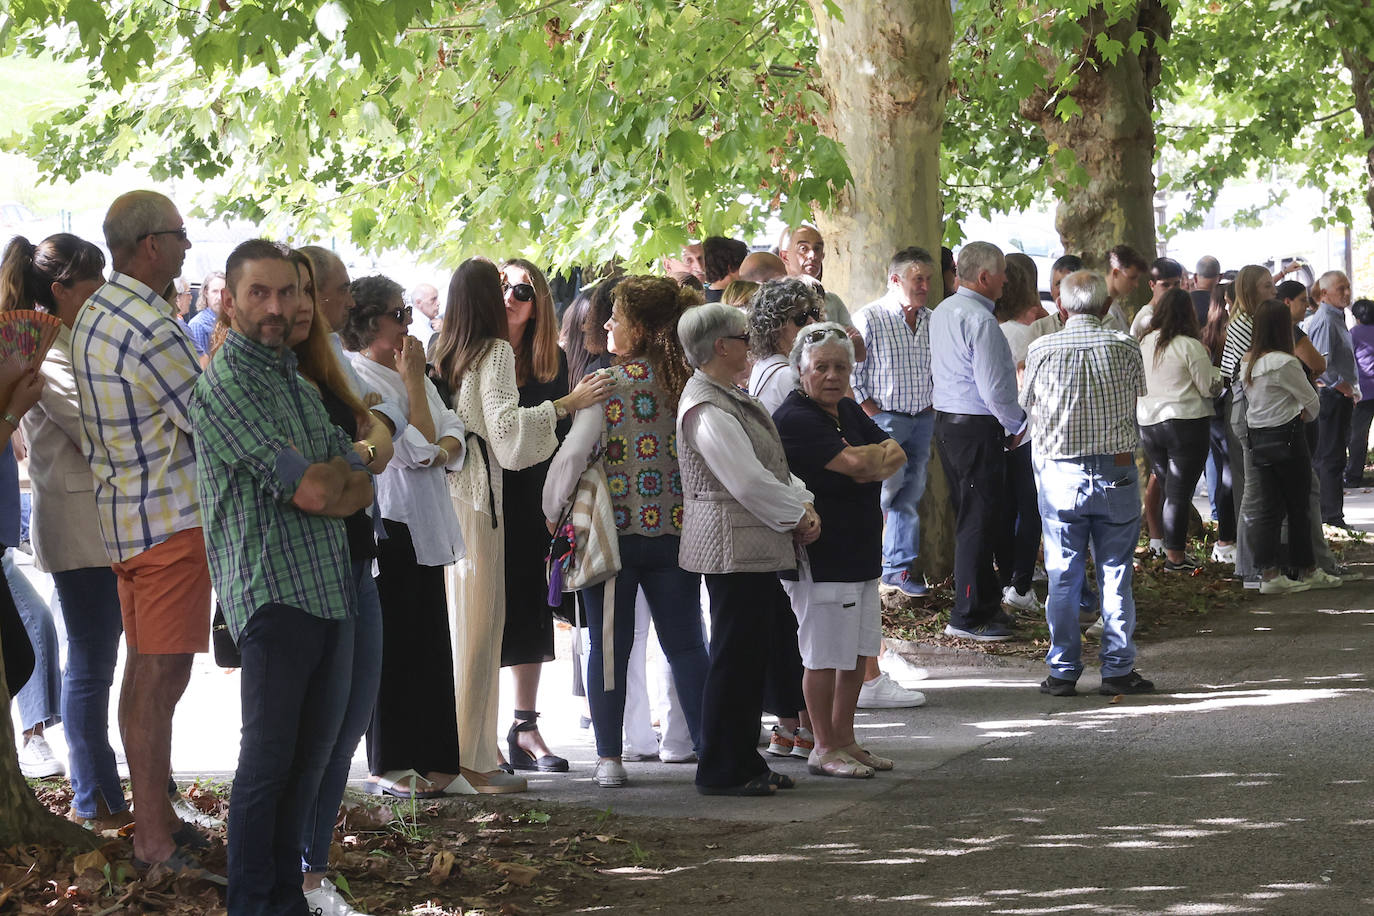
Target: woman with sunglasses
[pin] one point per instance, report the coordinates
(777, 313)
(492, 340)
(637, 428)
(412, 741)
(842, 457)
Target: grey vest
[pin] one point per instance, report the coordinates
(718, 534)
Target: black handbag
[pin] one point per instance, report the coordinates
(1270, 446)
(226, 650)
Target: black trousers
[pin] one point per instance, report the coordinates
(1333, 437)
(1177, 451)
(1219, 427)
(733, 698)
(1019, 540)
(14, 640)
(1359, 443)
(415, 721)
(782, 683)
(1285, 492)
(971, 452)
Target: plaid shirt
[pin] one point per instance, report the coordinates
(1081, 386)
(896, 372)
(258, 427)
(134, 369)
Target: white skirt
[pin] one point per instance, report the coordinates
(837, 622)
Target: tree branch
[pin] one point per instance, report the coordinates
(1239, 127)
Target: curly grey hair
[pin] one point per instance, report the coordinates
(818, 337)
(770, 308)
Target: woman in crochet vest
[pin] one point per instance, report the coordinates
(744, 515)
(634, 438)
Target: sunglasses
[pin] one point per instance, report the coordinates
(402, 315)
(803, 319)
(819, 334)
(521, 292)
(179, 233)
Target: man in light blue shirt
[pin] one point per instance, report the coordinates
(1327, 330)
(202, 323)
(977, 417)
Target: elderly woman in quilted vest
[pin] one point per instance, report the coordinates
(634, 437)
(744, 517)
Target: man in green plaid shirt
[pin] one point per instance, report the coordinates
(276, 480)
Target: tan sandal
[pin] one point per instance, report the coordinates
(837, 764)
(869, 760)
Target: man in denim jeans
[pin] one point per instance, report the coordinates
(1080, 391)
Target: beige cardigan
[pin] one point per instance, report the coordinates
(63, 529)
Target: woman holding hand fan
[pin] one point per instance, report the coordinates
(58, 275)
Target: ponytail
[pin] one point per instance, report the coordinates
(29, 271)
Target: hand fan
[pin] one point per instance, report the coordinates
(27, 333)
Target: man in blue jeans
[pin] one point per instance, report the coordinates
(893, 386)
(1079, 392)
(276, 479)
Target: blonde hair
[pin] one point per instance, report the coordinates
(1248, 296)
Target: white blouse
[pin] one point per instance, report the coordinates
(410, 490)
(1277, 392)
(771, 380)
(1181, 384)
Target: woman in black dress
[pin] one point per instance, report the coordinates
(541, 373)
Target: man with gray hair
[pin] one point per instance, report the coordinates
(1327, 330)
(976, 419)
(1080, 389)
(425, 299)
(1206, 275)
(134, 375)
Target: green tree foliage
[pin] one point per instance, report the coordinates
(572, 130)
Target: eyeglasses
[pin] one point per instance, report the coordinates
(743, 337)
(402, 315)
(803, 319)
(178, 232)
(819, 334)
(522, 292)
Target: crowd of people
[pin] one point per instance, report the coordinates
(363, 518)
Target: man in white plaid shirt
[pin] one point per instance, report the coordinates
(893, 386)
(1080, 392)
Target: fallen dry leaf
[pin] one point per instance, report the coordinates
(95, 860)
(515, 873)
(440, 866)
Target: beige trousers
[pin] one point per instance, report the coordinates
(477, 614)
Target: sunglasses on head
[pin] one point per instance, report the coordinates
(819, 334)
(521, 292)
(402, 314)
(803, 318)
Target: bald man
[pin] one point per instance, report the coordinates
(762, 266)
(803, 251)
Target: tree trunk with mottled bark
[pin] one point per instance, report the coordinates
(1361, 69)
(22, 818)
(886, 72)
(1113, 139)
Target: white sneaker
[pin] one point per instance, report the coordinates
(1280, 585)
(326, 900)
(898, 668)
(37, 761)
(1029, 603)
(1225, 554)
(884, 693)
(610, 774)
(1320, 578)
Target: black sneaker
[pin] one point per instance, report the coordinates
(1187, 564)
(1125, 683)
(1058, 687)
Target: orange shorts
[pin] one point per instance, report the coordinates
(164, 596)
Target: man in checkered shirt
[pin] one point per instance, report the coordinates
(1080, 391)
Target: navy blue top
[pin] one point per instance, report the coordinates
(850, 548)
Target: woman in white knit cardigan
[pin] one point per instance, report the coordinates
(477, 362)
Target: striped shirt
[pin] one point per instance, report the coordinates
(1080, 390)
(1233, 351)
(258, 427)
(135, 368)
(895, 375)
